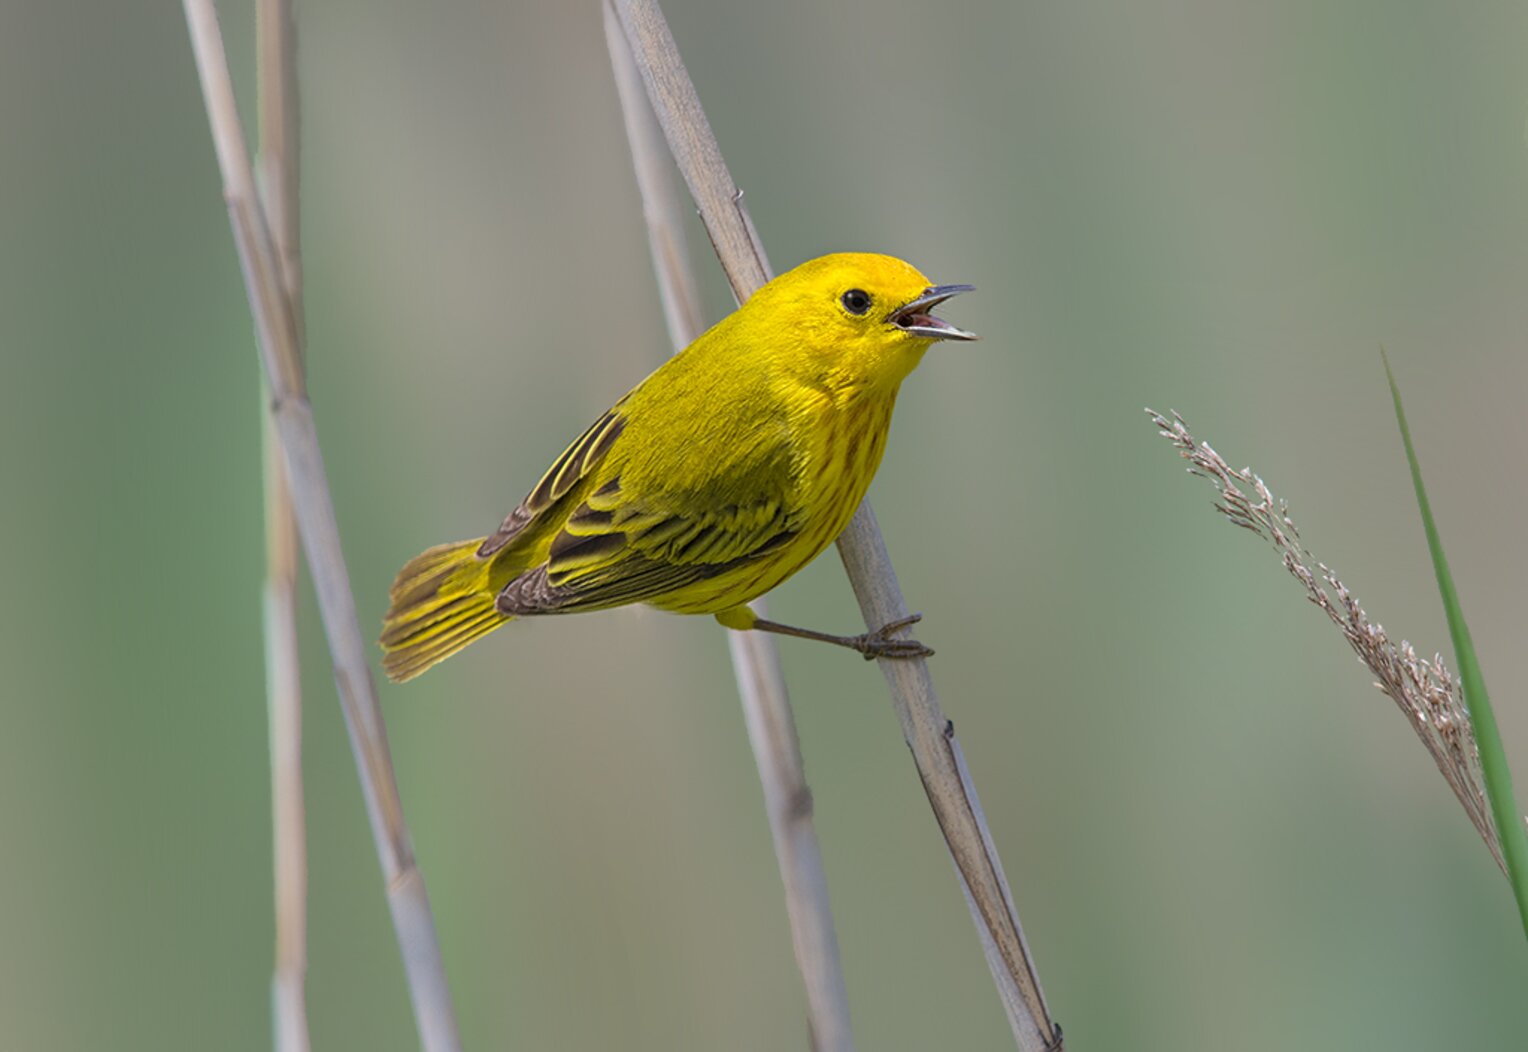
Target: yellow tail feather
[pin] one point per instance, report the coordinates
(441, 601)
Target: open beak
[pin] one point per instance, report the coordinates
(915, 318)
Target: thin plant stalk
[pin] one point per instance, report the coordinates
(929, 735)
(277, 332)
(283, 687)
(755, 657)
(1492, 757)
(276, 86)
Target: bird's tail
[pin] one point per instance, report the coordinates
(441, 601)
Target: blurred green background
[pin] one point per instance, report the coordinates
(1219, 835)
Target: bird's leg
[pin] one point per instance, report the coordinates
(871, 644)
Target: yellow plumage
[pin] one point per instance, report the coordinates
(720, 475)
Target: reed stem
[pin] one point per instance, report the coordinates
(755, 658)
(930, 736)
(276, 87)
(278, 329)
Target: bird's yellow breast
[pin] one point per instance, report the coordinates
(837, 439)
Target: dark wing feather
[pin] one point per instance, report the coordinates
(576, 461)
(613, 551)
(636, 543)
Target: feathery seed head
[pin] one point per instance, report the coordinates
(1425, 690)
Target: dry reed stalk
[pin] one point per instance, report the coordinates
(277, 161)
(283, 687)
(928, 734)
(755, 657)
(1425, 691)
(277, 329)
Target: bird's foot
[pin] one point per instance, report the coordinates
(880, 644)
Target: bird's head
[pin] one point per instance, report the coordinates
(854, 318)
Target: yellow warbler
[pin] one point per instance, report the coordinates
(716, 478)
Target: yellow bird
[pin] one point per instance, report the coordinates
(724, 472)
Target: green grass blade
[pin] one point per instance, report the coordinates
(1493, 759)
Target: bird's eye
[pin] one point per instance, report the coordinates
(856, 301)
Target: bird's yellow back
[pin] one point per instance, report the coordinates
(717, 477)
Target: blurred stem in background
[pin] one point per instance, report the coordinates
(755, 656)
(279, 181)
(930, 736)
(278, 330)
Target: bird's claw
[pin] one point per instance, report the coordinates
(880, 643)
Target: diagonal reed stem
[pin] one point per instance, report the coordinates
(929, 735)
(276, 73)
(277, 327)
(755, 658)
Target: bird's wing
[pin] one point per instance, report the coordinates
(577, 461)
(618, 547)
